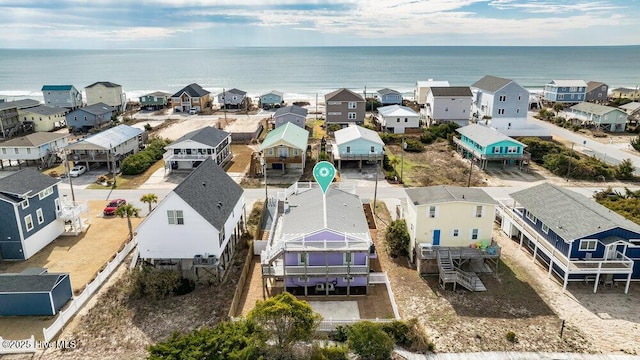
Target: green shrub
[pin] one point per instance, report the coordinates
(390, 138)
(154, 284)
(397, 238)
(511, 337)
(138, 163)
(414, 145)
(323, 156)
(408, 334)
(147, 127)
(340, 334)
(369, 341)
(441, 131)
(333, 127)
(331, 352)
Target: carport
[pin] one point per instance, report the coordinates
(33, 292)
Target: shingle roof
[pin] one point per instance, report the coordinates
(491, 83)
(591, 85)
(208, 136)
(443, 193)
(97, 109)
(290, 133)
(15, 283)
(46, 110)
(343, 95)
(623, 90)
(592, 108)
(293, 109)
(107, 138)
(569, 214)
(396, 110)
(103, 83)
(485, 135)
(353, 132)
(33, 140)
(386, 91)
(451, 91)
(237, 92)
(20, 104)
(569, 83)
(157, 93)
(210, 192)
(193, 90)
(56, 87)
(344, 212)
(26, 181)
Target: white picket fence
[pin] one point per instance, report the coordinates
(382, 278)
(331, 325)
(76, 304)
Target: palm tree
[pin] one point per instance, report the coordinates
(149, 199)
(128, 210)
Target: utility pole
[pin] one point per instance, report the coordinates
(569, 162)
(263, 162)
(316, 106)
(470, 170)
(224, 105)
(404, 146)
(113, 164)
(375, 191)
(66, 168)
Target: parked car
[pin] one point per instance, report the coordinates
(77, 171)
(113, 206)
(193, 112)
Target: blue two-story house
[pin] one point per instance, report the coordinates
(484, 144)
(579, 239)
(271, 99)
(30, 208)
(389, 97)
(88, 117)
(565, 91)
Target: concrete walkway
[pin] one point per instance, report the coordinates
(513, 356)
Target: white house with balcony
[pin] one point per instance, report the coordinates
(189, 151)
(41, 148)
(108, 147)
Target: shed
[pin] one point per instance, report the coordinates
(34, 292)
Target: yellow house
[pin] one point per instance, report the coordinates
(448, 216)
(105, 92)
(44, 118)
(285, 148)
(622, 93)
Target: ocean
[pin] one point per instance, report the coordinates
(303, 72)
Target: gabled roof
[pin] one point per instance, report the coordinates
(344, 212)
(236, 92)
(387, 91)
(569, 214)
(353, 132)
(57, 87)
(595, 109)
(274, 92)
(26, 181)
(193, 90)
(569, 83)
(396, 110)
(485, 135)
(431, 82)
(157, 93)
(208, 136)
(491, 83)
(293, 109)
(444, 193)
(624, 90)
(592, 85)
(20, 104)
(108, 138)
(33, 140)
(103, 83)
(96, 109)
(451, 91)
(290, 133)
(210, 192)
(343, 95)
(46, 110)
(21, 283)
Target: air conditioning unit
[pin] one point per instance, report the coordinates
(320, 287)
(197, 259)
(211, 259)
(331, 287)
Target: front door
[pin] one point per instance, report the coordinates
(436, 237)
(614, 249)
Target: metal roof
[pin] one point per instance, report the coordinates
(386, 91)
(46, 110)
(444, 193)
(193, 90)
(595, 109)
(491, 83)
(451, 91)
(343, 95)
(208, 136)
(570, 215)
(26, 181)
(56, 87)
(353, 132)
(293, 134)
(108, 138)
(33, 140)
(396, 110)
(484, 135)
(569, 83)
(293, 109)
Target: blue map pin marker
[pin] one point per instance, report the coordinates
(324, 172)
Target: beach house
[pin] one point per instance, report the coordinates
(285, 148)
(605, 118)
(271, 99)
(108, 147)
(41, 148)
(196, 228)
(105, 92)
(316, 251)
(154, 101)
(10, 123)
(190, 150)
(355, 144)
(573, 236)
(389, 97)
(448, 104)
(397, 119)
(191, 98)
(232, 99)
(34, 292)
(501, 100)
(290, 114)
(597, 92)
(88, 117)
(66, 96)
(344, 107)
(422, 88)
(484, 144)
(626, 93)
(565, 91)
(43, 117)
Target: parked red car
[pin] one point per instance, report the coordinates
(112, 206)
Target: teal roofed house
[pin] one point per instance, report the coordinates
(285, 148)
(64, 96)
(484, 144)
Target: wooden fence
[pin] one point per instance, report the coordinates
(243, 279)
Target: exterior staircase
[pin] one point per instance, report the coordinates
(449, 274)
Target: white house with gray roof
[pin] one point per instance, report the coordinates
(232, 99)
(197, 226)
(397, 119)
(357, 144)
(189, 151)
(106, 92)
(605, 118)
(448, 104)
(502, 100)
(40, 147)
(422, 88)
(290, 114)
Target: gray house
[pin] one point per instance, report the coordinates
(604, 117)
(389, 97)
(597, 92)
(88, 117)
(10, 118)
(502, 100)
(271, 99)
(231, 99)
(291, 114)
(344, 107)
(66, 96)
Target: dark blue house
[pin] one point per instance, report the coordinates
(83, 119)
(33, 292)
(30, 214)
(578, 238)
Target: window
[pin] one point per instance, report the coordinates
(44, 193)
(479, 211)
(512, 149)
(519, 97)
(175, 217)
(25, 204)
(57, 203)
(28, 222)
(432, 211)
(588, 245)
(500, 111)
(572, 89)
(28, 151)
(352, 116)
(352, 105)
(545, 228)
(532, 218)
(406, 119)
(295, 152)
(502, 98)
(4, 151)
(271, 151)
(303, 259)
(517, 111)
(455, 233)
(560, 96)
(348, 149)
(398, 120)
(348, 258)
(373, 149)
(221, 236)
(16, 151)
(40, 216)
(496, 149)
(475, 234)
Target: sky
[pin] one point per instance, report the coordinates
(107, 24)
